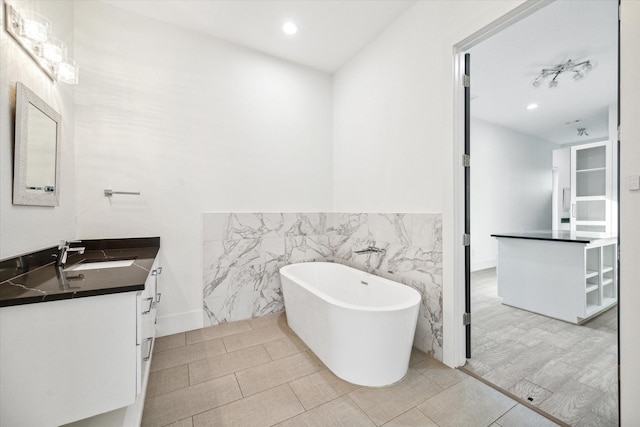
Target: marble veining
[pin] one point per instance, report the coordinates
(243, 252)
(42, 283)
(21, 286)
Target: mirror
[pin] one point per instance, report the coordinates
(37, 151)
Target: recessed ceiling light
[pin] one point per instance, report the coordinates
(532, 106)
(290, 28)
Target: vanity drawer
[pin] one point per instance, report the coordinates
(147, 305)
(143, 358)
(146, 318)
(146, 325)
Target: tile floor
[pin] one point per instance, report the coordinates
(568, 371)
(258, 373)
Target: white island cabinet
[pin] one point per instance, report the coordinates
(66, 360)
(565, 275)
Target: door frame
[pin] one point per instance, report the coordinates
(459, 49)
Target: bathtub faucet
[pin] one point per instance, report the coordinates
(369, 250)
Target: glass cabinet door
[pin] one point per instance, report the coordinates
(590, 192)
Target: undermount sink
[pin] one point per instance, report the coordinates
(96, 265)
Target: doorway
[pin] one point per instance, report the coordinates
(565, 370)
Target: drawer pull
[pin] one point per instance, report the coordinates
(150, 347)
(147, 311)
(155, 274)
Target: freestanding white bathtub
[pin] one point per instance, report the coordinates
(360, 325)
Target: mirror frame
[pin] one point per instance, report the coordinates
(24, 98)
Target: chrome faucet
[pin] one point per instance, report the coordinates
(370, 249)
(63, 250)
(64, 278)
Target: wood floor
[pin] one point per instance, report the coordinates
(566, 370)
(258, 373)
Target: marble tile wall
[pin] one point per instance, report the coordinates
(413, 245)
(242, 253)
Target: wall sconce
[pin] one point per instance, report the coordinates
(33, 33)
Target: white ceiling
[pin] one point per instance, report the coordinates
(503, 67)
(330, 31)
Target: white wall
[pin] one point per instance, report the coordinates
(392, 110)
(511, 187)
(629, 207)
(195, 124)
(26, 228)
(409, 79)
(393, 125)
(407, 85)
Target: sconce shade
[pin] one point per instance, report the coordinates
(68, 72)
(33, 33)
(33, 26)
(54, 50)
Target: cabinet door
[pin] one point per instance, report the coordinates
(76, 359)
(590, 187)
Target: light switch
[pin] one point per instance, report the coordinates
(634, 182)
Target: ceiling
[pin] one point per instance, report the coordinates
(330, 31)
(504, 66)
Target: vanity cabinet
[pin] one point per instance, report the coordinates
(66, 360)
(131, 414)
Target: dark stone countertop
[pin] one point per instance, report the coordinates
(558, 236)
(34, 277)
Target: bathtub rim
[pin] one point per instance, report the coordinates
(395, 307)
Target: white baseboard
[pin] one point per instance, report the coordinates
(177, 323)
(483, 265)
